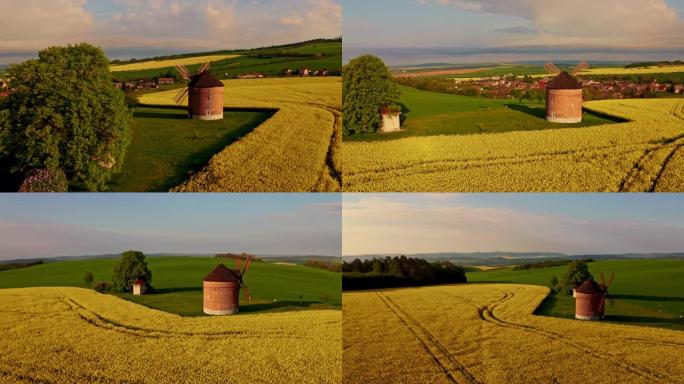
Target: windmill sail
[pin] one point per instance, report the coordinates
(551, 68)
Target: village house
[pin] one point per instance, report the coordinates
(251, 75)
(304, 71)
(166, 81)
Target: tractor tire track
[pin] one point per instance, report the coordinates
(428, 340)
(487, 314)
(99, 321)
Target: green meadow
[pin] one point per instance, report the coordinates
(427, 113)
(167, 147)
(645, 291)
(177, 281)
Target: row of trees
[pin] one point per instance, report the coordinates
(399, 271)
(327, 265)
(546, 264)
(65, 118)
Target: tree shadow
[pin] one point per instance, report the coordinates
(644, 319)
(277, 305)
(160, 115)
(649, 298)
(175, 290)
(537, 112)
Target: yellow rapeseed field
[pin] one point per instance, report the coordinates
(486, 333)
(644, 154)
(73, 335)
(296, 150)
(154, 64)
(634, 71)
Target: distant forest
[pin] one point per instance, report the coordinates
(654, 64)
(399, 272)
(8, 266)
(233, 256)
(547, 264)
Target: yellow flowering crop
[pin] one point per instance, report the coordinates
(642, 154)
(293, 151)
(486, 333)
(73, 335)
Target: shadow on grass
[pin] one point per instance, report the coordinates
(175, 290)
(649, 298)
(644, 320)
(277, 305)
(535, 112)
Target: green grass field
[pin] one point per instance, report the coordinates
(330, 58)
(431, 113)
(645, 292)
(167, 146)
(178, 283)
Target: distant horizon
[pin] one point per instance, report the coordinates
(474, 31)
(572, 224)
(391, 254)
(40, 225)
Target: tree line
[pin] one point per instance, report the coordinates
(332, 266)
(547, 264)
(399, 272)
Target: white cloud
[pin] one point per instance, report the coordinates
(383, 225)
(629, 23)
(29, 25)
(32, 24)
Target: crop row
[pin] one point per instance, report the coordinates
(79, 336)
(627, 156)
(293, 151)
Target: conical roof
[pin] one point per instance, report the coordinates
(205, 80)
(564, 81)
(589, 287)
(222, 274)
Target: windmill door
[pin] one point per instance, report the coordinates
(208, 112)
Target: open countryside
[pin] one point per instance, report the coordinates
(155, 64)
(474, 333)
(645, 292)
(642, 154)
(113, 340)
(178, 283)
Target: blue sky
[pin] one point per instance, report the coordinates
(469, 31)
(569, 223)
(141, 28)
(76, 224)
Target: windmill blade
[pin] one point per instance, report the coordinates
(551, 68)
(245, 292)
(610, 281)
(582, 66)
(204, 67)
(180, 96)
(237, 262)
(247, 264)
(610, 299)
(603, 281)
(183, 71)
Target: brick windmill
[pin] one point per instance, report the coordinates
(222, 288)
(590, 298)
(564, 94)
(204, 93)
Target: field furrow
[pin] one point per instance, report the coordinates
(490, 330)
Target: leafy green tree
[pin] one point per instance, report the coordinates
(553, 283)
(367, 86)
(88, 279)
(65, 116)
(130, 267)
(577, 273)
